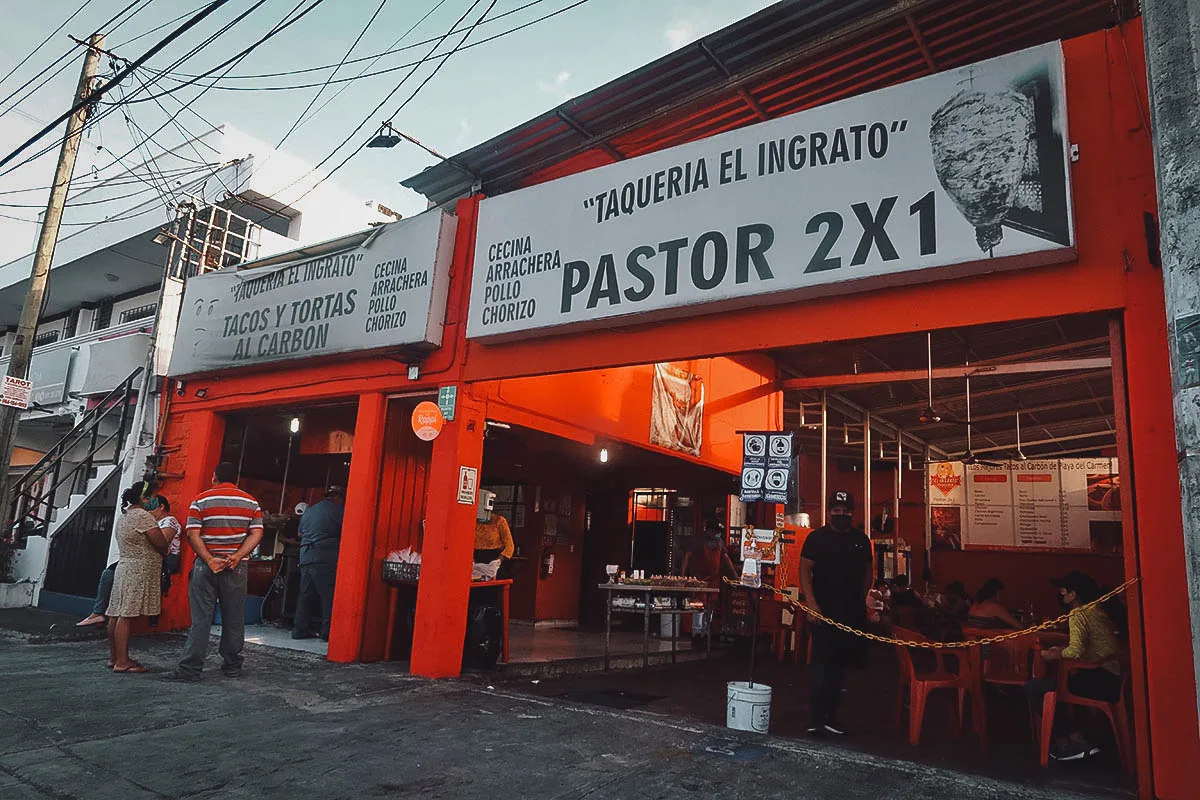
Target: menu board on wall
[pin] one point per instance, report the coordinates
(1060, 504)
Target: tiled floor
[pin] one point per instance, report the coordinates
(273, 636)
(533, 645)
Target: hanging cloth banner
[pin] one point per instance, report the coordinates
(766, 467)
(677, 410)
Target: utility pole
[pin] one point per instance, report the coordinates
(1172, 33)
(39, 279)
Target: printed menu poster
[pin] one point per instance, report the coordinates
(1059, 504)
(1091, 498)
(990, 506)
(1038, 501)
(947, 502)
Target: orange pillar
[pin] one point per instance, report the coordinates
(199, 435)
(358, 530)
(445, 586)
(1171, 685)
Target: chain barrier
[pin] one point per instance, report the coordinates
(795, 605)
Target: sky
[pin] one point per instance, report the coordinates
(480, 92)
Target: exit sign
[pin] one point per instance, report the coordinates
(447, 399)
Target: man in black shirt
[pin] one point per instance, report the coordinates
(835, 575)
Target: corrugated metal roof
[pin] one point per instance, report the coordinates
(788, 57)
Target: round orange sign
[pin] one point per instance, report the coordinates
(427, 421)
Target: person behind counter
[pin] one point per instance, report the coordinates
(493, 539)
(320, 539)
(709, 560)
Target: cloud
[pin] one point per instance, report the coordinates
(464, 133)
(680, 32)
(558, 86)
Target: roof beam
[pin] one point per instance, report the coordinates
(1028, 386)
(1083, 401)
(1073, 438)
(808, 49)
(978, 370)
(919, 38)
(749, 100)
(595, 141)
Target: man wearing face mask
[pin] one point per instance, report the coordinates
(835, 575)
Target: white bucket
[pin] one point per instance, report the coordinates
(748, 708)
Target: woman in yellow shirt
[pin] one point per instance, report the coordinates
(1091, 639)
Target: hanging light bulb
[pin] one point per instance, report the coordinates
(603, 455)
(294, 425)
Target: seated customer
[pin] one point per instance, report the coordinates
(1092, 639)
(988, 611)
(903, 596)
(956, 603)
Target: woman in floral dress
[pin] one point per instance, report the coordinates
(137, 590)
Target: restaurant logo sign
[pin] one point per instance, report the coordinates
(944, 478)
(965, 168)
(389, 291)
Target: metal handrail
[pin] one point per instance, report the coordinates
(27, 502)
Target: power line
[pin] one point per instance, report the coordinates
(408, 100)
(375, 60)
(238, 57)
(392, 49)
(45, 41)
(325, 85)
(64, 60)
(425, 59)
(158, 28)
(188, 138)
(98, 93)
(116, 180)
(375, 111)
(213, 37)
(184, 106)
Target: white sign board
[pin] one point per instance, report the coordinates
(965, 167)
(390, 291)
(15, 392)
(468, 482)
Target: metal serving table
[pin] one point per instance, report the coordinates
(649, 590)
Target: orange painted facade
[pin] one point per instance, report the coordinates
(539, 383)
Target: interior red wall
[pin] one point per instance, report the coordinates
(615, 403)
(536, 595)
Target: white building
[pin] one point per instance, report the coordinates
(126, 246)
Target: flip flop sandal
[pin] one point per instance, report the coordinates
(134, 668)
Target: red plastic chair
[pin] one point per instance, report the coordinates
(1117, 713)
(964, 680)
(1007, 663)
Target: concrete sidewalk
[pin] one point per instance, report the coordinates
(297, 727)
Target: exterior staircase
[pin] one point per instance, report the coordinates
(62, 542)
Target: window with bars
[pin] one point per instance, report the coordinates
(141, 312)
(103, 317)
(49, 337)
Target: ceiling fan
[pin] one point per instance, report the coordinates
(969, 458)
(930, 416)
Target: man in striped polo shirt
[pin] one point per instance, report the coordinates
(224, 526)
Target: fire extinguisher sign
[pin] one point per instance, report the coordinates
(766, 467)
